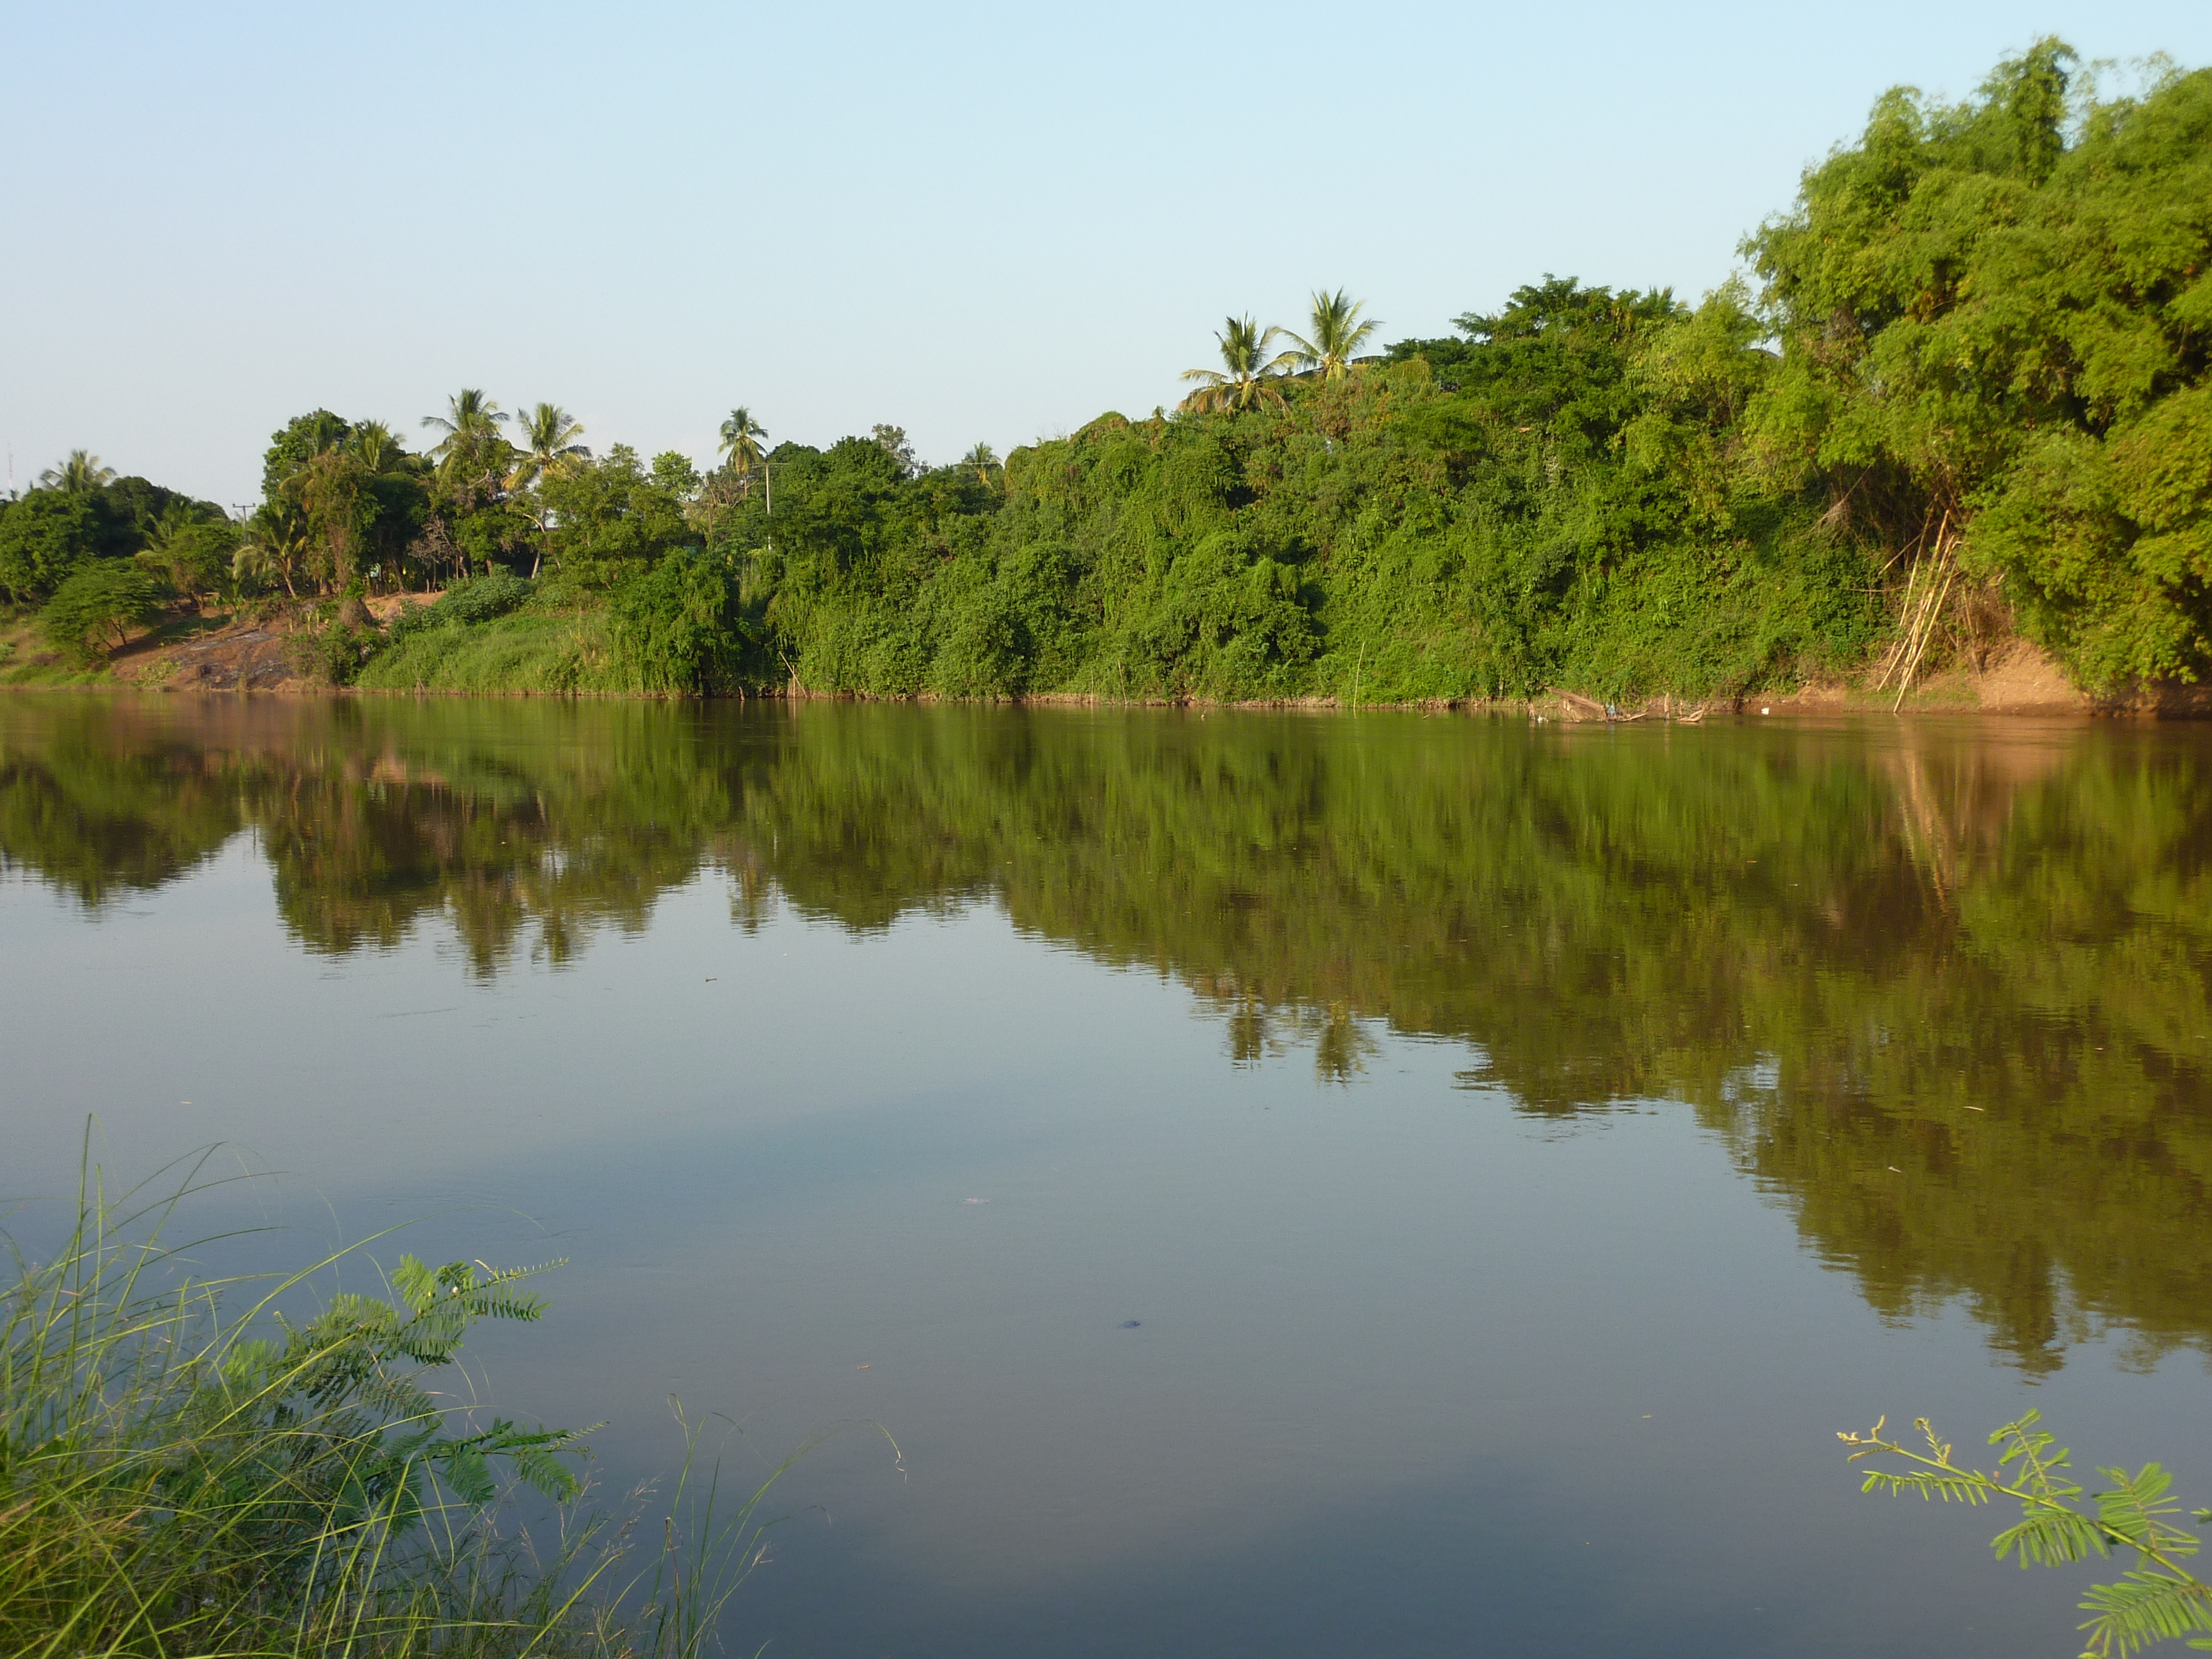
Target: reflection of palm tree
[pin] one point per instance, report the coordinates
(1338, 333)
(1244, 346)
(741, 436)
(549, 436)
(470, 419)
(79, 475)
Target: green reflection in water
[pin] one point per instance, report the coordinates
(1941, 989)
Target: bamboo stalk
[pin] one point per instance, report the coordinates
(1934, 616)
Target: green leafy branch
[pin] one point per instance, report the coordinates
(2157, 1600)
(334, 1418)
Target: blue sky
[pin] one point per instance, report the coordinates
(976, 222)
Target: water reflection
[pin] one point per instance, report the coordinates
(1941, 989)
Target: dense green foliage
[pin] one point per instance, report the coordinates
(1388, 534)
(53, 530)
(45, 536)
(1829, 948)
(97, 605)
(1995, 319)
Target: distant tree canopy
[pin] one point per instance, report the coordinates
(49, 531)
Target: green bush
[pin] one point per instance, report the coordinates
(335, 654)
(96, 608)
(483, 598)
(42, 537)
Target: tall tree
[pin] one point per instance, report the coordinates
(333, 492)
(45, 536)
(1242, 382)
(275, 548)
(549, 449)
(548, 434)
(892, 440)
(741, 441)
(1338, 332)
(302, 437)
(470, 423)
(80, 474)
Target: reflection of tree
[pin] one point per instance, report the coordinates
(92, 818)
(1946, 997)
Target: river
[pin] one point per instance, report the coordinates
(1289, 1185)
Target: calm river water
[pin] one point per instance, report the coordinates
(1520, 1148)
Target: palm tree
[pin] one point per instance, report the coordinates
(741, 436)
(80, 475)
(470, 419)
(1338, 332)
(276, 544)
(983, 462)
(549, 451)
(548, 434)
(1244, 346)
(377, 446)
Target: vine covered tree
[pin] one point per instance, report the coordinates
(1996, 320)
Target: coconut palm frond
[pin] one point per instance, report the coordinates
(1246, 366)
(79, 474)
(741, 441)
(1339, 329)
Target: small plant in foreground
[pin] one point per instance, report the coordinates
(2157, 1600)
(182, 1476)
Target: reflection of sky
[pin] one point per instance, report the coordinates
(1397, 1344)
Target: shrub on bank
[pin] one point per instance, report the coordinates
(94, 610)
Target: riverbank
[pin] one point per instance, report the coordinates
(281, 650)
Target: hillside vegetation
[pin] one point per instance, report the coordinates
(1960, 398)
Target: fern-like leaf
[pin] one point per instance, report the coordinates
(1929, 1485)
(2049, 1538)
(467, 1472)
(416, 1284)
(2144, 1608)
(2136, 1509)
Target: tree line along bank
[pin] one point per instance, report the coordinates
(1959, 398)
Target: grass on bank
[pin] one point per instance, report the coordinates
(529, 653)
(186, 1467)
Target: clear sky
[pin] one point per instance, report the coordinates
(979, 223)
